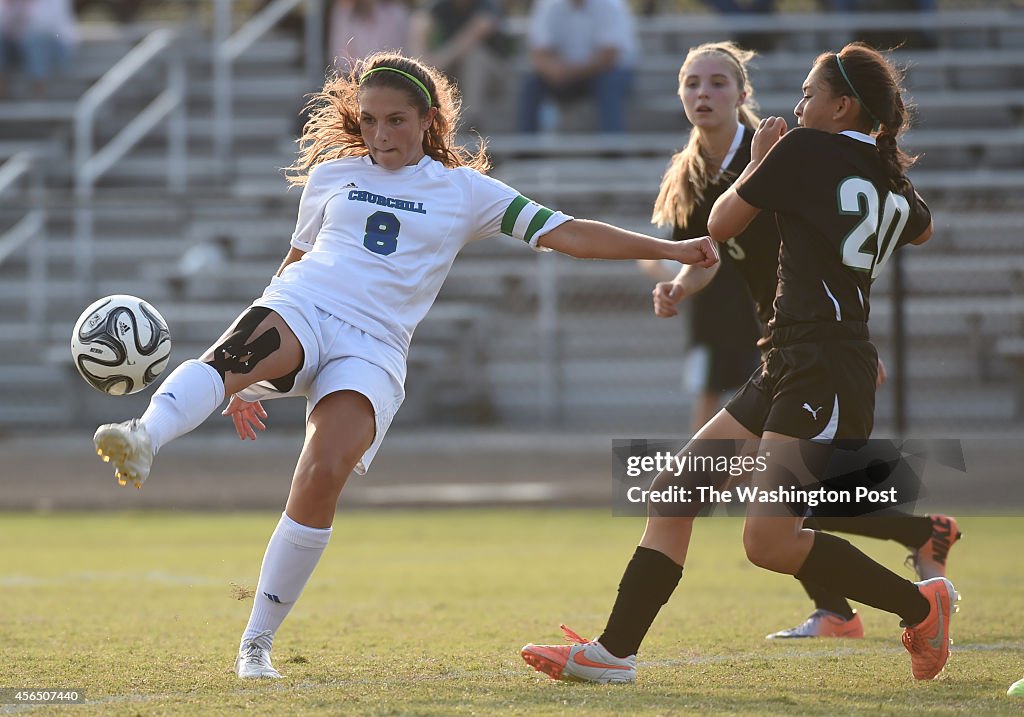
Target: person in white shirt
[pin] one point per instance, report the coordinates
(579, 48)
(388, 202)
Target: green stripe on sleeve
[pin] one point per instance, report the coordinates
(542, 215)
(508, 222)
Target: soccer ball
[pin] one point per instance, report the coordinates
(120, 344)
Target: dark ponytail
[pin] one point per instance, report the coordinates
(861, 72)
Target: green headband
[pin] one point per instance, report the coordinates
(876, 124)
(403, 73)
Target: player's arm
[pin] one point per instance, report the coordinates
(924, 236)
(587, 239)
(690, 280)
(293, 256)
(732, 214)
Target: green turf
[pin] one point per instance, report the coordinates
(423, 613)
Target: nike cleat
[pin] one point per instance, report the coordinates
(1016, 689)
(823, 623)
(930, 559)
(253, 660)
(928, 641)
(128, 447)
(582, 661)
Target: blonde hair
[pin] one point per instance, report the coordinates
(332, 130)
(688, 174)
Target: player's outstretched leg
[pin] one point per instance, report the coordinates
(928, 641)
(253, 660)
(823, 623)
(929, 560)
(259, 346)
(582, 661)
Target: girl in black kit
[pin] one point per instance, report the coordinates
(840, 197)
(718, 97)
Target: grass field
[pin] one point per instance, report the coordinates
(424, 612)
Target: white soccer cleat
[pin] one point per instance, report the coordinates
(128, 447)
(253, 660)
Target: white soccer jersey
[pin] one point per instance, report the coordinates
(381, 242)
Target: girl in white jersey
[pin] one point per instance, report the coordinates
(388, 202)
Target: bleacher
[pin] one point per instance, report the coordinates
(518, 337)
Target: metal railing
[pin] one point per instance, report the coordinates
(31, 230)
(230, 46)
(91, 163)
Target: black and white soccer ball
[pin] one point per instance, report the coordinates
(120, 344)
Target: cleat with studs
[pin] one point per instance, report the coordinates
(929, 561)
(928, 641)
(128, 447)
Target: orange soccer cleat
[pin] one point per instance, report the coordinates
(823, 623)
(930, 559)
(582, 661)
(928, 641)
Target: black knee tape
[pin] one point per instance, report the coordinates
(235, 355)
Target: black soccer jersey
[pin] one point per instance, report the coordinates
(838, 222)
(753, 256)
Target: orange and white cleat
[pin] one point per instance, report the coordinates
(928, 641)
(582, 661)
(823, 623)
(930, 559)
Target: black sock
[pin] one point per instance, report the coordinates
(838, 566)
(910, 530)
(646, 585)
(825, 599)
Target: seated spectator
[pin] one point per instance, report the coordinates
(463, 38)
(361, 27)
(579, 48)
(37, 37)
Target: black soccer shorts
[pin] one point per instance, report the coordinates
(821, 390)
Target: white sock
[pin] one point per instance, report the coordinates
(292, 554)
(192, 392)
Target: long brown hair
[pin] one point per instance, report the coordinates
(688, 174)
(875, 82)
(332, 130)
